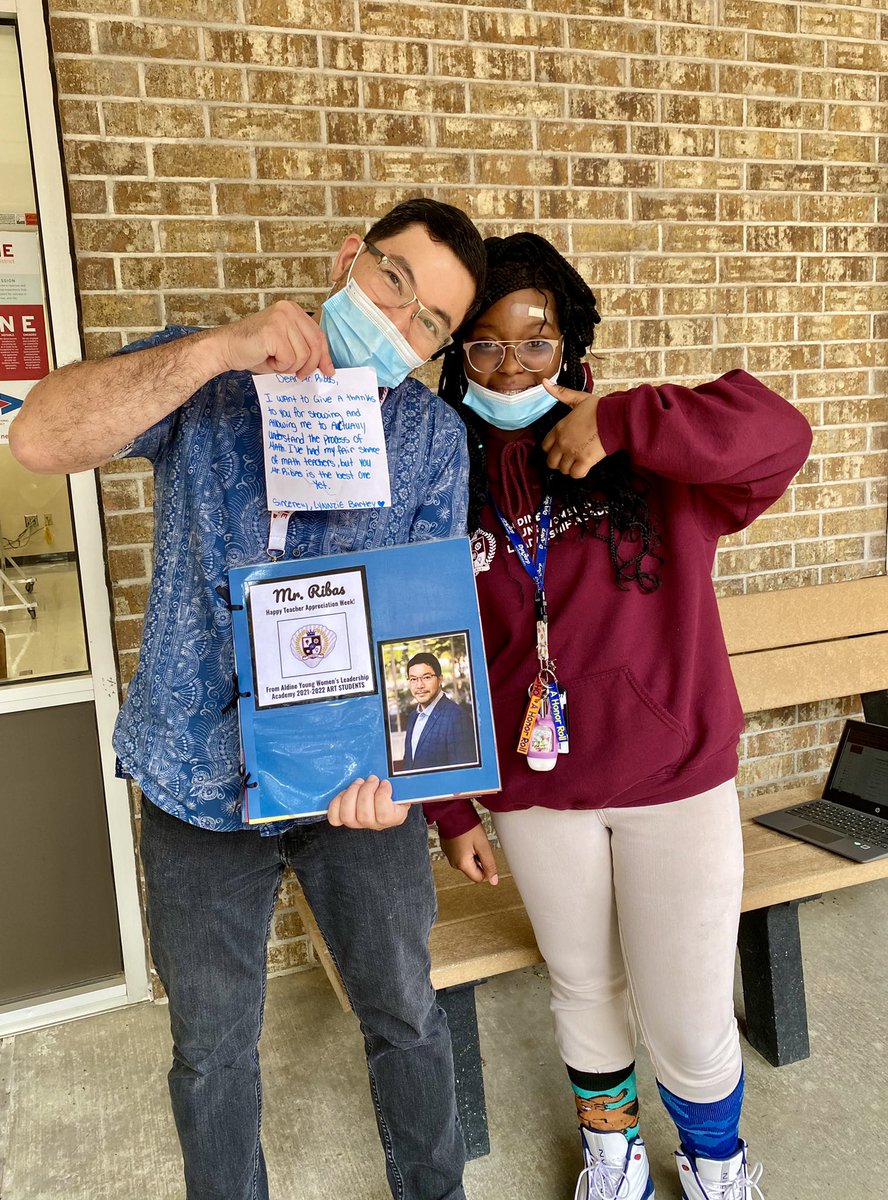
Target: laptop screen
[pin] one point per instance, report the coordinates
(859, 774)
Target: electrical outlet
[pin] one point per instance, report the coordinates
(47, 519)
(32, 523)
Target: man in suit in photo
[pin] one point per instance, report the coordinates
(439, 731)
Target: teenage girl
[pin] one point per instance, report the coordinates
(596, 522)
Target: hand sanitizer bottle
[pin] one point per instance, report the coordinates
(542, 754)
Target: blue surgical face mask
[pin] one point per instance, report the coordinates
(514, 411)
(360, 335)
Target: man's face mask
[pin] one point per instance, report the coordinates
(360, 335)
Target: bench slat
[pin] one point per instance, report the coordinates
(473, 949)
(459, 904)
(806, 874)
(798, 616)
(802, 674)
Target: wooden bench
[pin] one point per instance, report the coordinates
(788, 647)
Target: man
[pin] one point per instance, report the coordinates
(439, 731)
(185, 400)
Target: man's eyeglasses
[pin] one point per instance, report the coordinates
(534, 354)
(411, 679)
(388, 287)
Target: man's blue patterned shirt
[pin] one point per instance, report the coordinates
(177, 734)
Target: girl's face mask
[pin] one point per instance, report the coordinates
(515, 410)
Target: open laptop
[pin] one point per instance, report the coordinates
(852, 817)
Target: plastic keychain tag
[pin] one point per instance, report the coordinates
(557, 701)
(564, 747)
(532, 712)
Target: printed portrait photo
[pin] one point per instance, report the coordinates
(430, 704)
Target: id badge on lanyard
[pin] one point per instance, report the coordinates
(543, 734)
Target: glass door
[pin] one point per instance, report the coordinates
(42, 631)
(71, 939)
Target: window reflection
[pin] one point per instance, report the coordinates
(41, 616)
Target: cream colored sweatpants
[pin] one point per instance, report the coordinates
(636, 911)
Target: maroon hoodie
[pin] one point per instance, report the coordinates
(653, 711)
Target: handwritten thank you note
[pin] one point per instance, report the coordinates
(324, 443)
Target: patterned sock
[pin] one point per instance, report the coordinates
(707, 1130)
(606, 1103)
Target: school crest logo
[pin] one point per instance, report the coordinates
(311, 644)
(483, 546)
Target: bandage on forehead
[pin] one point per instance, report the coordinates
(527, 310)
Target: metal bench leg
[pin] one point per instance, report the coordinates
(774, 983)
(459, 1005)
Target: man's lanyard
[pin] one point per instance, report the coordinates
(545, 696)
(277, 534)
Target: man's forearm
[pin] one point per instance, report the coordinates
(78, 417)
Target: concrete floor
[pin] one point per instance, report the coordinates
(84, 1116)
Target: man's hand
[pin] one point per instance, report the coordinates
(367, 804)
(573, 446)
(472, 854)
(80, 415)
(281, 339)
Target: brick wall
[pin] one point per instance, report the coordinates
(717, 169)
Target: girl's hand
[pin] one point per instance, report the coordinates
(573, 446)
(472, 854)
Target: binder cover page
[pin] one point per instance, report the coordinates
(359, 664)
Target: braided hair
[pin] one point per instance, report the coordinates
(622, 519)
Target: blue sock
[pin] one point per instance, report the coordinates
(707, 1130)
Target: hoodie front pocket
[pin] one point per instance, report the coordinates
(618, 731)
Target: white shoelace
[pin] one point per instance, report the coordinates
(601, 1181)
(744, 1187)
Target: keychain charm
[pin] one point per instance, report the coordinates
(531, 713)
(542, 754)
(539, 732)
(557, 705)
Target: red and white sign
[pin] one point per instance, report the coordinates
(24, 353)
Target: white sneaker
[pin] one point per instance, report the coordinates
(709, 1179)
(616, 1169)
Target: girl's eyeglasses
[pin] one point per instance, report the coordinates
(534, 354)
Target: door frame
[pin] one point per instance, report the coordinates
(100, 685)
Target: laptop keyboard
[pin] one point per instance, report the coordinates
(844, 820)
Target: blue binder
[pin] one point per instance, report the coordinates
(321, 647)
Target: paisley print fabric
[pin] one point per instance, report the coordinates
(177, 734)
